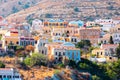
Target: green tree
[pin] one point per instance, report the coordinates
(116, 69)
(72, 63)
(36, 59)
(94, 77)
(83, 43)
(28, 61)
(76, 9)
(26, 6)
(84, 66)
(2, 65)
(19, 48)
(118, 51)
(14, 9)
(111, 40)
(48, 15)
(93, 69)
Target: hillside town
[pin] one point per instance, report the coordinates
(51, 49)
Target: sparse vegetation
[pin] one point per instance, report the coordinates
(26, 6)
(48, 15)
(36, 59)
(76, 9)
(14, 9)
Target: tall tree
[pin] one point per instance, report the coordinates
(111, 40)
(118, 52)
(83, 43)
(116, 69)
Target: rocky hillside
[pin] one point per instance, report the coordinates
(69, 10)
(12, 6)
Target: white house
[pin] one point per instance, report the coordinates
(40, 46)
(116, 38)
(9, 74)
(115, 33)
(107, 23)
(37, 24)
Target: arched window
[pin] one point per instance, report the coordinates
(42, 52)
(75, 40)
(17, 42)
(5, 42)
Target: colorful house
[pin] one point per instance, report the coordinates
(24, 41)
(71, 52)
(57, 51)
(56, 23)
(11, 36)
(105, 39)
(106, 51)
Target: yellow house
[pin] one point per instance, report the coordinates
(106, 51)
(56, 23)
(10, 37)
(99, 53)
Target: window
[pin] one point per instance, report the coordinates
(63, 53)
(77, 54)
(36, 42)
(0, 76)
(17, 42)
(73, 55)
(10, 42)
(65, 25)
(68, 53)
(59, 53)
(56, 58)
(29, 42)
(75, 40)
(97, 53)
(43, 44)
(72, 40)
(61, 24)
(5, 42)
(55, 53)
(4, 76)
(22, 43)
(42, 52)
(8, 76)
(0, 45)
(16, 76)
(110, 57)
